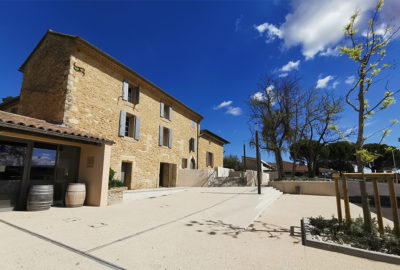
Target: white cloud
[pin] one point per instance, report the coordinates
(335, 83)
(283, 75)
(258, 96)
(322, 83)
(223, 104)
(290, 66)
(317, 25)
(330, 52)
(270, 31)
(350, 79)
(238, 22)
(234, 111)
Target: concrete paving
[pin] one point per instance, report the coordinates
(195, 229)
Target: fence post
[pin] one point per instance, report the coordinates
(346, 198)
(393, 204)
(337, 191)
(378, 206)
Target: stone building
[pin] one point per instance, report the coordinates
(70, 82)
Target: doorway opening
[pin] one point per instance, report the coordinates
(167, 177)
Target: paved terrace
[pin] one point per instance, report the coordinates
(200, 228)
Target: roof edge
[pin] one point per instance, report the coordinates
(215, 136)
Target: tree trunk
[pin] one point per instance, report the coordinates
(310, 169)
(279, 164)
(360, 136)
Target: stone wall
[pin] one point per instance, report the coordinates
(209, 145)
(44, 84)
(324, 188)
(94, 103)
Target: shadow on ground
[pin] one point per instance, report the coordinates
(218, 227)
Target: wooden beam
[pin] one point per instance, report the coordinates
(337, 191)
(346, 198)
(393, 204)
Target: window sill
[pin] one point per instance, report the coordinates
(165, 120)
(127, 138)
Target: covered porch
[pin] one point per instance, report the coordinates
(35, 152)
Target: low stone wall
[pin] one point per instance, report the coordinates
(115, 195)
(194, 178)
(323, 188)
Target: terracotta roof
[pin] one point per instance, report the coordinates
(24, 123)
(288, 166)
(90, 45)
(206, 132)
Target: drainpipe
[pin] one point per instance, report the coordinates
(197, 158)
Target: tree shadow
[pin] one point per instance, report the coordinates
(218, 227)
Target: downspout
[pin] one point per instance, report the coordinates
(197, 158)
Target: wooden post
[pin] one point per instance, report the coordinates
(338, 203)
(258, 164)
(346, 198)
(378, 206)
(393, 204)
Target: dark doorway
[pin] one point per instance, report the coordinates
(167, 176)
(25, 163)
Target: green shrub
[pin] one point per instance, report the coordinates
(114, 182)
(353, 233)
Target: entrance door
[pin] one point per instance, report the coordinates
(167, 175)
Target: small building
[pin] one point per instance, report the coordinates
(251, 164)
(36, 152)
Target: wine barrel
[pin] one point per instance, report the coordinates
(75, 195)
(40, 197)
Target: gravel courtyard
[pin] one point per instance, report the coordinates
(199, 228)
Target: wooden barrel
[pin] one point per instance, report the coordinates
(75, 195)
(40, 197)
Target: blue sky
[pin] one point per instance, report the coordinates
(208, 53)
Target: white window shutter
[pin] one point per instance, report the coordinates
(170, 138)
(137, 127)
(161, 136)
(193, 125)
(122, 122)
(207, 161)
(125, 87)
(170, 113)
(162, 109)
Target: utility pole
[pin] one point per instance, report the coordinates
(244, 157)
(258, 164)
(395, 169)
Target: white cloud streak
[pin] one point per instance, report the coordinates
(223, 104)
(350, 80)
(291, 66)
(235, 111)
(323, 83)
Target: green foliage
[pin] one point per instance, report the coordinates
(384, 156)
(232, 162)
(113, 182)
(353, 233)
(340, 156)
(4, 99)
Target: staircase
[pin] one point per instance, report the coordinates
(227, 182)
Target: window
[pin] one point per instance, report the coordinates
(184, 163)
(129, 125)
(165, 138)
(193, 124)
(130, 92)
(191, 145)
(192, 164)
(126, 170)
(165, 111)
(12, 160)
(43, 163)
(209, 159)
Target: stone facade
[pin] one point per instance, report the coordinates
(69, 81)
(207, 144)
